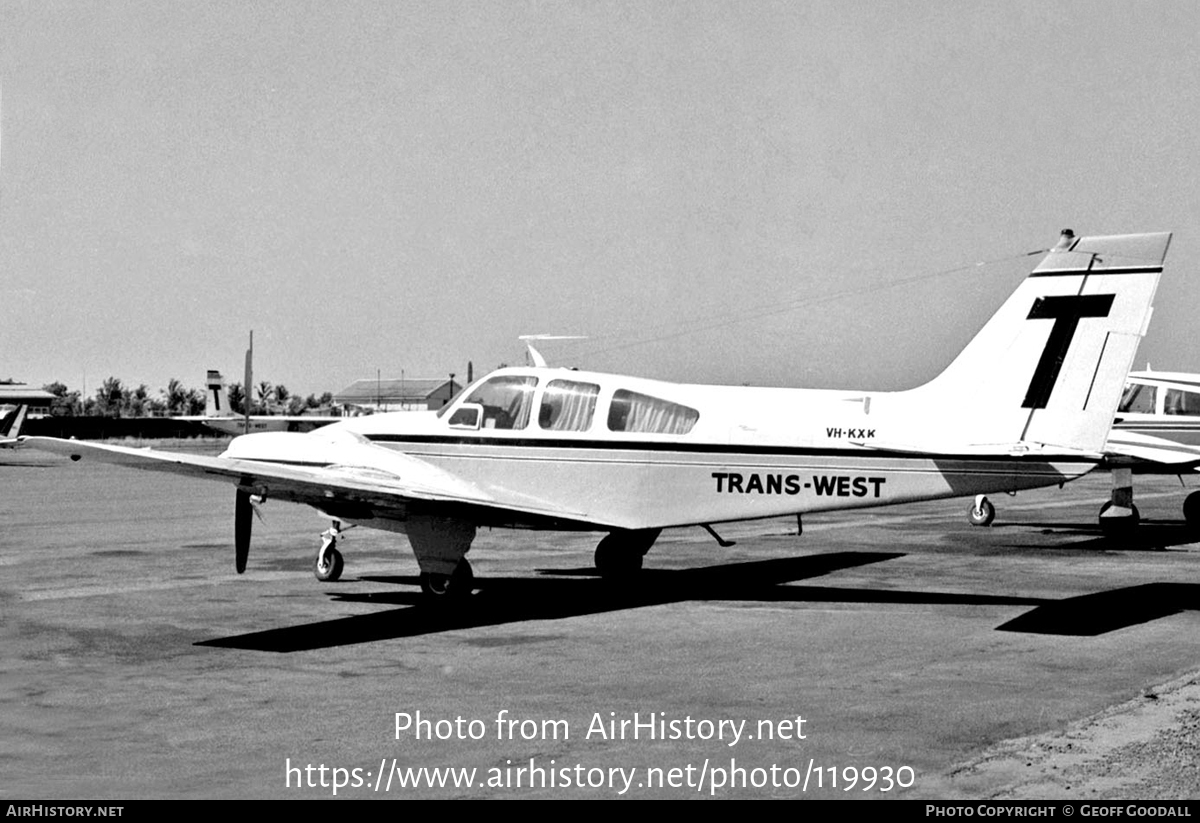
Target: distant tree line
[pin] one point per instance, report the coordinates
(115, 399)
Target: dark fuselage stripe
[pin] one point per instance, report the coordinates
(706, 448)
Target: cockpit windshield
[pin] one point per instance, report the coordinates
(506, 401)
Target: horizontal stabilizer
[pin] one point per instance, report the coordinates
(1153, 449)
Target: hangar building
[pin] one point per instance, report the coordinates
(396, 394)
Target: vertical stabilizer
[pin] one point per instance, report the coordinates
(216, 402)
(10, 424)
(1049, 367)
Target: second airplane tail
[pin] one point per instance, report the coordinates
(10, 424)
(216, 403)
(1049, 367)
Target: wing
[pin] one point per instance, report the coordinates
(357, 482)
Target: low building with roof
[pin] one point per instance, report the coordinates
(396, 394)
(39, 401)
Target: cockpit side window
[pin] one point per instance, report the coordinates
(506, 401)
(1178, 401)
(568, 406)
(1137, 399)
(633, 412)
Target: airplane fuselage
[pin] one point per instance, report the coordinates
(629, 453)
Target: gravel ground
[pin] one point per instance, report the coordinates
(1145, 749)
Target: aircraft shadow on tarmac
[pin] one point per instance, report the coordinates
(1149, 536)
(1090, 615)
(574, 593)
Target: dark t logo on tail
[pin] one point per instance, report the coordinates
(1066, 311)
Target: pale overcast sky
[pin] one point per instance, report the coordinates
(712, 191)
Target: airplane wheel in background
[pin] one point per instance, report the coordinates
(1191, 509)
(1113, 526)
(332, 570)
(982, 514)
(442, 587)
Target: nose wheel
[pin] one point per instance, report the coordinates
(329, 564)
(982, 512)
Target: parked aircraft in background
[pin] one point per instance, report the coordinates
(10, 426)
(1156, 431)
(220, 417)
(1029, 402)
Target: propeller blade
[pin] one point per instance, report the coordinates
(241, 529)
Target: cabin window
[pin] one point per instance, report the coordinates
(1137, 399)
(506, 401)
(568, 406)
(633, 412)
(1182, 402)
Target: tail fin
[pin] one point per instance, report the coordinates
(1049, 367)
(216, 402)
(10, 424)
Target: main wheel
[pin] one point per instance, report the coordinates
(331, 570)
(616, 559)
(983, 514)
(1191, 509)
(449, 586)
(1113, 526)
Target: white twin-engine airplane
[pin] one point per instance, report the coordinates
(1028, 403)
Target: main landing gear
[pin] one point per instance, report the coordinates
(1119, 516)
(440, 545)
(453, 586)
(619, 555)
(1191, 510)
